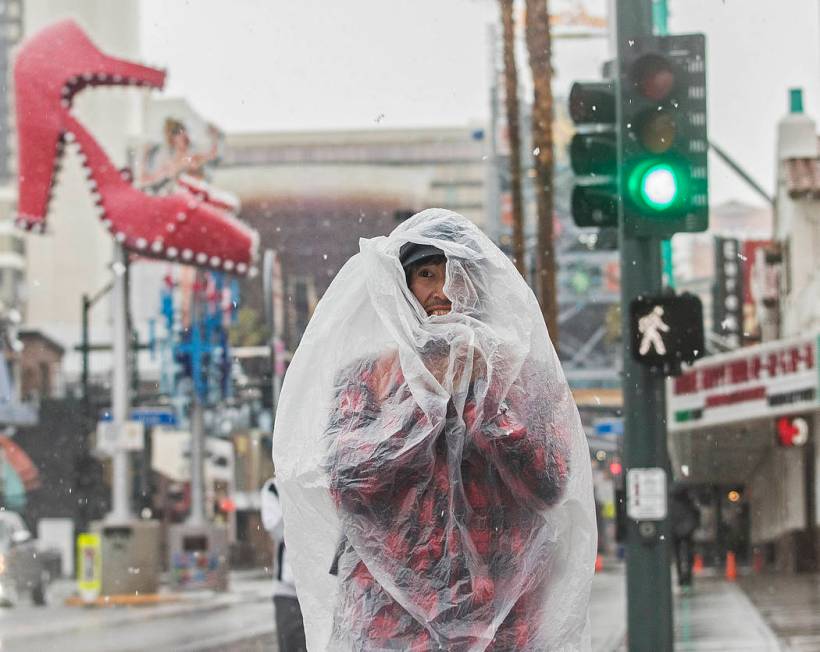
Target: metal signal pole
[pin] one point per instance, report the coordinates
(649, 597)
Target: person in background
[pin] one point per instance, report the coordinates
(289, 627)
(685, 518)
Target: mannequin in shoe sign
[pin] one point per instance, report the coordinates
(164, 165)
(433, 468)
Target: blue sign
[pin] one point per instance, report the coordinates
(154, 416)
(148, 416)
(609, 427)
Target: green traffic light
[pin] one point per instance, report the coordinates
(659, 186)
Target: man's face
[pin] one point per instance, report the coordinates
(426, 282)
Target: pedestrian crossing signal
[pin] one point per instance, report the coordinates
(666, 331)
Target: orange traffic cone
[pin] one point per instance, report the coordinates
(599, 563)
(697, 564)
(731, 567)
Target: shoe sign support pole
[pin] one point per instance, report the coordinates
(197, 513)
(196, 516)
(120, 502)
(649, 597)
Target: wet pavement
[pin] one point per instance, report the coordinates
(607, 609)
(239, 620)
(790, 604)
(756, 614)
(714, 614)
(711, 616)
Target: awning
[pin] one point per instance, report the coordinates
(722, 410)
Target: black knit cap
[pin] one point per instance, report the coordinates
(412, 252)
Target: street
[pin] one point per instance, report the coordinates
(241, 619)
(756, 614)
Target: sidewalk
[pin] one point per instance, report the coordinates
(62, 617)
(713, 615)
(790, 604)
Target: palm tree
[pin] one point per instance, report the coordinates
(511, 93)
(539, 47)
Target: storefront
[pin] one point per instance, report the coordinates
(750, 419)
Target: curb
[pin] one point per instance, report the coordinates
(125, 599)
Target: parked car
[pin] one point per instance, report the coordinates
(24, 568)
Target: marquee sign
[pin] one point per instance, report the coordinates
(758, 382)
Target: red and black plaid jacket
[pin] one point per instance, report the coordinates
(450, 541)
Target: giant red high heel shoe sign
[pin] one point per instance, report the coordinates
(50, 69)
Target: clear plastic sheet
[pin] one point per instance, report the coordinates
(434, 472)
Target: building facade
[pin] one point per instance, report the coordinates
(749, 420)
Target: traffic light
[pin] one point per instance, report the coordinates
(662, 143)
(666, 330)
(593, 154)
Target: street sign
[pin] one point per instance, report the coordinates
(132, 437)
(154, 416)
(609, 427)
(666, 331)
(646, 494)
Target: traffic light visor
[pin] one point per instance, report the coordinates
(653, 77)
(592, 102)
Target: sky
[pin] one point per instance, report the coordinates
(271, 65)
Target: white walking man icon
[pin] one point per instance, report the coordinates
(650, 326)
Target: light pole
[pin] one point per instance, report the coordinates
(120, 400)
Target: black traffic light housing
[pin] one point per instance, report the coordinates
(662, 139)
(593, 153)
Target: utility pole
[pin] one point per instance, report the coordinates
(513, 133)
(120, 502)
(539, 46)
(86, 373)
(86, 347)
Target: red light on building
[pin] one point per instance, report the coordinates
(792, 431)
(227, 505)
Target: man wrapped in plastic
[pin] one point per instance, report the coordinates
(434, 471)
